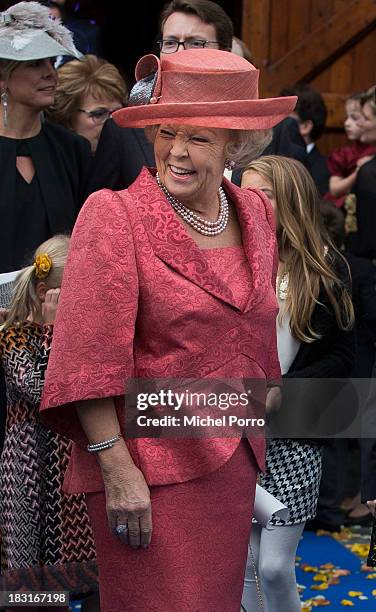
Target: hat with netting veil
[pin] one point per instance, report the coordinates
(204, 87)
(27, 32)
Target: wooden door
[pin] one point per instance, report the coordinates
(330, 44)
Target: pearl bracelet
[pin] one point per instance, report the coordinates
(99, 446)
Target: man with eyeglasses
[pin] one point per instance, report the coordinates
(194, 24)
(189, 24)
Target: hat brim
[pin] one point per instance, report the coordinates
(40, 46)
(235, 114)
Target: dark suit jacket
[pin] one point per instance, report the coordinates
(363, 276)
(368, 447)
(364, 286)
(318, 169)
(363, 242)
(119, 158)
(287, 141)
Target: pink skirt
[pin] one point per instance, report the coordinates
(198, 553)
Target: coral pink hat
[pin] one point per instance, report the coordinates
(204, 87)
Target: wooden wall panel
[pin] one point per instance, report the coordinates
(364, 63)
(330, 44)
(321, 11)
(299, 22)
(322, 81)
(278, 43)
(340, 75)
(339, 5)
(256, 28)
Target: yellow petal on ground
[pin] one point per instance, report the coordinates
(360, 549)
(347, 602)
(320, 587)
(317, 603)
(373, 592)
(320, 577)
(343, 535)
(354, 593)
(371, 576)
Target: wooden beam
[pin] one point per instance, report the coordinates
(255, 29)
(321, 47)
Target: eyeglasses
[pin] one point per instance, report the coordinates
(98, 115)
(168, 45)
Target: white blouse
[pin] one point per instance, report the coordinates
(287, 345)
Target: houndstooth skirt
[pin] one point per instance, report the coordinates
(293, 474)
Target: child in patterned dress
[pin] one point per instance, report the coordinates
(46, 539)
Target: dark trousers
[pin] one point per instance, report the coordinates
(332, 481)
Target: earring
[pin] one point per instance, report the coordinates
(229, 164)
(4, 104)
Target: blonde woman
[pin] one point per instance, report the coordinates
(44, 168)
(45, 535)
(88, 91)
(315, 340)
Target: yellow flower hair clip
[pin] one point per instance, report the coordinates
(42, 265)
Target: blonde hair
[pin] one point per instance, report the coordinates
(302, 246)
(25, 301)
(79, 78)
(6, 68)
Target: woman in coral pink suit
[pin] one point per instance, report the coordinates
(171, 278)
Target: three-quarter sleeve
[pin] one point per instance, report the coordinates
(92, 350)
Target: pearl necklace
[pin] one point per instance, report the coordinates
(207, 228)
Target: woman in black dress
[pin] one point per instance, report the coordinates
(44, 167)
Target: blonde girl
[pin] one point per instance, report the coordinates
(315, 340)
(45, 536)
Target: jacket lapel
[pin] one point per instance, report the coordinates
(170, 241)
(258, 236)
(173, 245)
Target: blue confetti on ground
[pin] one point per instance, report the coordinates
(317, 550)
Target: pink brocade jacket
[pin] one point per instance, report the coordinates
(139, 299)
